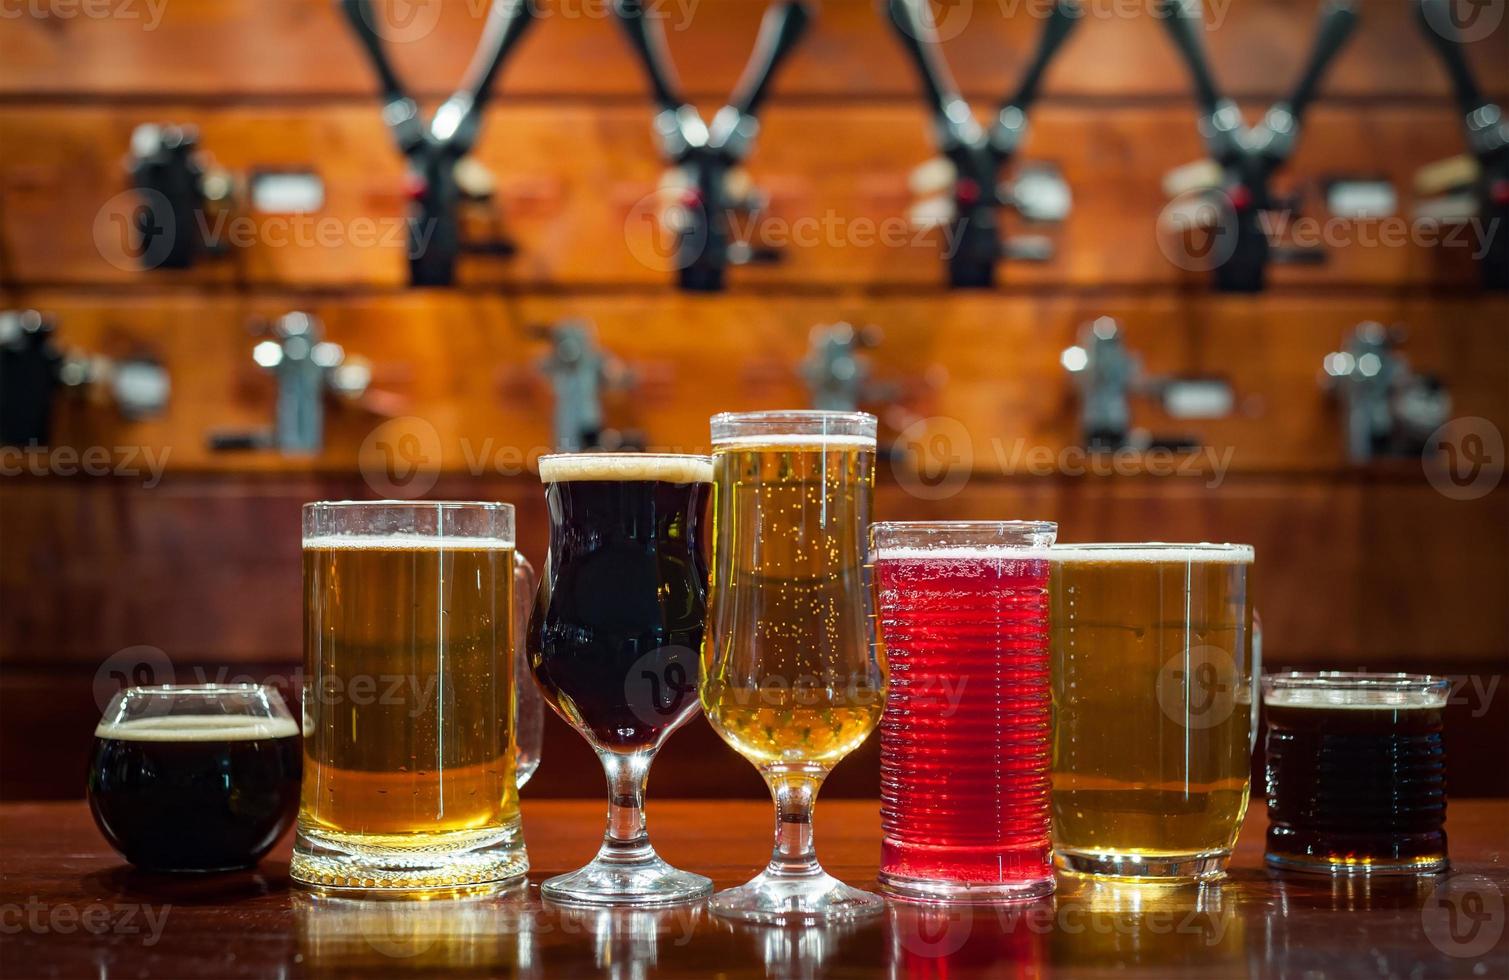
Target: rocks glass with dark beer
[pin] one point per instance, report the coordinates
(1356, 773)
(613, 642)
(410, 613)
(1155, 671)
(195, 777)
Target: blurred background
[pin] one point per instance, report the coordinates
(242, 269)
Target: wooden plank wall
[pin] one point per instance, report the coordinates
(1357, 567)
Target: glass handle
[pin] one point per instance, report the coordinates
(1257, 679)
(529, 708)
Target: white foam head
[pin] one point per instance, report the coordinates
(796, 440)
(196, 728)
(1372, 700)
(980, 553)
(625, 467)
(1154, 552)
(405, 542)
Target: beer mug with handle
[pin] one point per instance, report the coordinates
(410, 614)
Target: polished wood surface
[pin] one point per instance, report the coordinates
(71, 908)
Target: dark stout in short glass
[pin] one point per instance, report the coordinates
(1356, 783)
(617, 627)
(196, 793)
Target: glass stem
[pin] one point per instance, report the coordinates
(795, 792)
(626, 841)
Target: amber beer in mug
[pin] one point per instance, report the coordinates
(1154, 682)
(409, 615)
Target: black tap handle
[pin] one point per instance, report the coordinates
(1061, 20)
(507, 21)
(1436, 21)
(647, 35)
(360, 14)
(780, 29)
(913, 22)
(1337, 21)
(1182, 18)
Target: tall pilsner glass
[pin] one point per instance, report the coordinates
(790, 676)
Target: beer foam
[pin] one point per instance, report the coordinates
(196, 728)
(1357, 699)
(626, 466)
(404, 542)
(974, 553)
(1154, 552)
(804, 440)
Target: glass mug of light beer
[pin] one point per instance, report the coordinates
(790, 676)
(965, 739)
(1155, 671)
(411, 613)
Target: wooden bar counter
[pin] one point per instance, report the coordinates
(69, 907)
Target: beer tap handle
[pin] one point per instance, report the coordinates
(460, 118)
(1061, 21)
(913, 21)
(1182, 19)
(780, 29)
(1440, 30)
(1337, 22)
(399, 110)
(647, 35)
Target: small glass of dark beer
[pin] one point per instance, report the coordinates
(1356, 773)
(195, 777)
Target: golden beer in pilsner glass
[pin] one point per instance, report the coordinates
(410, 617)
(790, 676)
(1154, 681)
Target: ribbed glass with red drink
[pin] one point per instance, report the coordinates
(966, 733)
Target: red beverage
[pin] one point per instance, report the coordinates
(965, 737)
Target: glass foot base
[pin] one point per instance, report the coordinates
(339, 863)
(643, 883)
(788, 901)
(963, 893)
(1358, 868)
(1201, 866)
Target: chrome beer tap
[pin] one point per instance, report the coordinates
(963, 190)
(580, 372)
(707, 185)
(35, 369)
(441, 175)
(1232, 189)
(307, 368)
(1387, 409)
